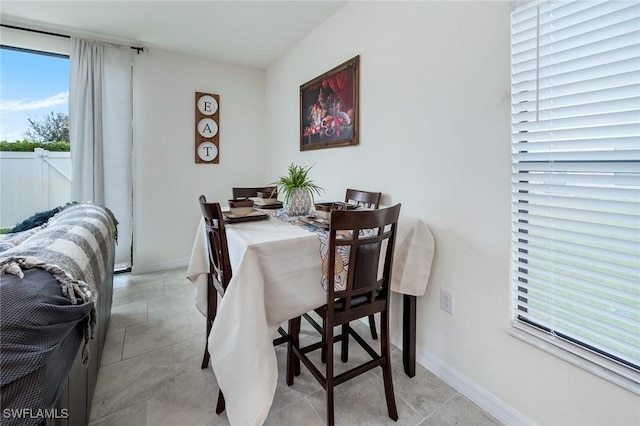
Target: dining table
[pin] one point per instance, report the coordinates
(277, 273)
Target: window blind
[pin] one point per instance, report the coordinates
(576, 176)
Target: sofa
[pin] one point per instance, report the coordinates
(56, 284)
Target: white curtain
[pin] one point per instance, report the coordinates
(100, 127)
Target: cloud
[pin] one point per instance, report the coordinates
(26, 105)
(10, 136)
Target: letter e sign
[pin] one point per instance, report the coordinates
(207, 128)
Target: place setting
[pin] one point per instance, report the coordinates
(321, 216)
(254, 208)
(242, 210)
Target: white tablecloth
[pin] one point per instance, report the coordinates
(277, 276)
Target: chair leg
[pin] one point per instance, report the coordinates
(386, 367)
(330, 410)
(220, 405)
(212, 310)
(293, 362)
(388, 390)
(344, 344)
(372, 326)
(296, 360)
(329, 375)
(323, 351)
(205, 358)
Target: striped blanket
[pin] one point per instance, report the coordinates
(74, 247)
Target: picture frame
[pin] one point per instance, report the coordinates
(329, 108)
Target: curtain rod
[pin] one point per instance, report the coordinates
(13, 27)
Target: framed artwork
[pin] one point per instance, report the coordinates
(329, 108)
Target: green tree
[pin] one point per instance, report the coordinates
(54, 128)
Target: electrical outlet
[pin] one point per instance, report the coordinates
(446, 300)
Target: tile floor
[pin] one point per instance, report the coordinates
(150, 372)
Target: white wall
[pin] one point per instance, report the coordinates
(435, 136)
(167, 182)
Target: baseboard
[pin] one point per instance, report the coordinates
(158, 267)
(500, 410)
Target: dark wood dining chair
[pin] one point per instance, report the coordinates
(219, 276)
(239, 192)
(370, 200)
(369, 236)
(219, 272)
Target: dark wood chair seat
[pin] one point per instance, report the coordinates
(366, 292)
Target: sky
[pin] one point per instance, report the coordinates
(31, 86)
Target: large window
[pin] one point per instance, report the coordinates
(37, 68)
(576, 179)
(35, 163)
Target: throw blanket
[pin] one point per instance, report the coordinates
(74, 247)
(41, 334)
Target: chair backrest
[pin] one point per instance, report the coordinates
(219, 263)
(367, 239)
(366, 199)
(250, 192)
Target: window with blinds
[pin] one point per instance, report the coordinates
(576, 177)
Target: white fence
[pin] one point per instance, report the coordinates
(32, 182)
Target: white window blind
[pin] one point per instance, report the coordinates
(576, 177)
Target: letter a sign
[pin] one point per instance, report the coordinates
(207, 130)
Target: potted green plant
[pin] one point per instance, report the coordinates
(298, 190)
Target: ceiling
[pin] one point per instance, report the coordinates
(252, 33)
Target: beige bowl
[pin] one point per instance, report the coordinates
(240, 206)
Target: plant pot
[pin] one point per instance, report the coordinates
(299, 203)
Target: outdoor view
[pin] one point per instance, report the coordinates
(34, 115)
